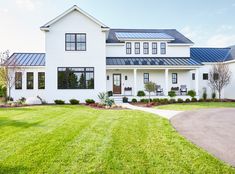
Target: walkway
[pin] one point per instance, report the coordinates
(163, 113)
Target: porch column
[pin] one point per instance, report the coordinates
(135, 82)
(196, 82)
(166, 82)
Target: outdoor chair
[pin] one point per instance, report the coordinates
(183, 90)
(159, 90)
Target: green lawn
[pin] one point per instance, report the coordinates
(199, 105)
(78, 139)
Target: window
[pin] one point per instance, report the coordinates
(174, 78)
(128, 48)
(146, 77)
(75, 42)
(154, 48)
(193, 76)
(29, 80)
(41, 80)
(137, 48)
(76, 78)
(163, 48)
(205, 76)
(146, 48)
(18, 80)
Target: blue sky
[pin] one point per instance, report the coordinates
(206, 22)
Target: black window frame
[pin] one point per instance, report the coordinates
(146, 79)
(193, 76)
(41, 80)
(128, 49)
(154, 48)
(146, 48)
(29, 80)
(205, 76)
(163, 48)
(174, 78)
(66, 83)
(137, 47)
(18, 80)
(76, 42)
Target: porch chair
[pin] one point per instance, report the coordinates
(183, 90)
(159, 90)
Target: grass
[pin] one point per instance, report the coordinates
(78, 139)
(198, 105)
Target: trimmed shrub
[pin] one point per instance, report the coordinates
(141, 94)
(89, 101)
(187, 100)
(59, 102)
(204, 95)
(172, 101)
(201, 100)
(156, 100)
(134, 100)
(193, 100)
(171, 94)
(74, 102)
(208, 100)
(180, 100)
(192, 93)
(125, 100)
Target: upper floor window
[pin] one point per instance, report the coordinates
(137, 48)
(146, 48)
(128, 48)
(205, 76)
(75, 42)
(18, 80)
(154, 48)
(29, 80)
(41, 80)
(163, 48)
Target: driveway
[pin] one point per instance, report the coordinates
(211, 129)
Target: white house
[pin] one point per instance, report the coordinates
(84, 57)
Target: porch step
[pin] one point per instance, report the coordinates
(117, 100)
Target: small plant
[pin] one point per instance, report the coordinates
(89, 101)
(180, 100)
(102, 96)
(59, 102)
(171, 94)
(108, 102)
(156, 100)
(213, 95)
(125, 100)
(204, 95)
(134, 100)
(22, 99)
(187, 100)
(192, 93)
(193, 100)
(74, 102)
(141, 94)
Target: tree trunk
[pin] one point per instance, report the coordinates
(9, 93)
(219, 94)
(149, 97)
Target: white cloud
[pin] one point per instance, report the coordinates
(221, 40)
(189, 32)
(28, 4)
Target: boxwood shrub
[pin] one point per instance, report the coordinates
(59, 102)
(193, 100)
(180, 100)
(187, 100)
(89, 101)
(74, 102)
(141, 94)
(134, 100)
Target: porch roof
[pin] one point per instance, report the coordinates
(162, 61)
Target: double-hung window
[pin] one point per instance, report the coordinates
(154, 48)
(163, 48)
(18, 80)
(146, 78)
(146, 48)
(30, 80)
(128, 48)
(174, 78)
(137, 48)
(75, 42)
(41, 80)
(205, 76)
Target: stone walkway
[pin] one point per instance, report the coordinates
(163, 113)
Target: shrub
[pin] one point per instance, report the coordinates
(163, 101)
(171, 94)
(204, 95)
(110, 93)
(156, 100)
(193, 100)
(89, 101)
(125, 100)
(208, 100)
(172, 100)
(180, 100)
(134, 100)
(213, 95)
(74, 102)
(201, 100)
(59, 102)
(22, 99)
(141, 94)
(3, 91)
(10, 99)
(192, 93)
(187, 100)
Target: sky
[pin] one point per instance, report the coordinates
(208, 23)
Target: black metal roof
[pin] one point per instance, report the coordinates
(176, 61)
(178, 37)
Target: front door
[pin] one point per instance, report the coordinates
(117, 84)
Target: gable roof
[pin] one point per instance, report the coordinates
(178, 37)
(73, 8)
(210, 54)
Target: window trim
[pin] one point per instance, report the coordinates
(207, 75)
(174, 79)
(147, 48)
(27, 80)
(146, 78)
(20, 80)
(154, 43)
(137, 48)
(128, 43)
(163, 48)
(40, 80)
(76, 43)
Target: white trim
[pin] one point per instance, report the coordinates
(151, 67)
(180, 44)
(47, 25)
(115, 44)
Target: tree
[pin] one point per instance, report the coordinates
(150, 87)
(219, 77)
(7, 71)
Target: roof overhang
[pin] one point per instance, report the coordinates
(151, 67)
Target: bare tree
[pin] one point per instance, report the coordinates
(8, 68)
(219, 77)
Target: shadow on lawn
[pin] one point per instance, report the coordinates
(13, 169)
(4, 121)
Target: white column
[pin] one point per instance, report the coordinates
(196, 82)
(166, 82)
(135, 82)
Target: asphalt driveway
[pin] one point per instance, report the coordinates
(211, 129)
